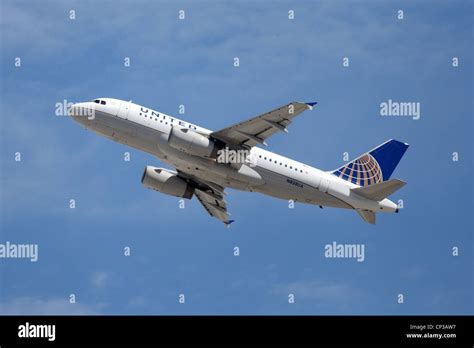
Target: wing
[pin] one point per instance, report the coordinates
(211, 196)
(256, 130)
(215, 206)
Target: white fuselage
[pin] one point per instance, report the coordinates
(269, 173)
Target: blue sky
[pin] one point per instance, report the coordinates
(184, 251)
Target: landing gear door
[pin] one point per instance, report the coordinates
(124, 110)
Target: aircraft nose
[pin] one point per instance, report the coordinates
(81, 112)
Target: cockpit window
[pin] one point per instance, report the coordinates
(102, 102)
(97, 101)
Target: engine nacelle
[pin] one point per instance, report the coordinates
(166, 181)
(186, 140)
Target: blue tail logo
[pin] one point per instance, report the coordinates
(374, 166)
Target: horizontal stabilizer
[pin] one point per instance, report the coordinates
(378, 192)
(368, 216)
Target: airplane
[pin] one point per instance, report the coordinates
(207, 162)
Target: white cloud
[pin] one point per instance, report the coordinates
(38, 306)
(316, 290)
(413, 272)
(100, 279)
(137, 302)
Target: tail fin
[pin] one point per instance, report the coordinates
(374, 166)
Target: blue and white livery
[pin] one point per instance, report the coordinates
(207, 162)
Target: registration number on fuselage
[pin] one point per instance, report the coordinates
(294, 182)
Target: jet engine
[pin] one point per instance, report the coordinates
(166, 181)
(186, 140)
